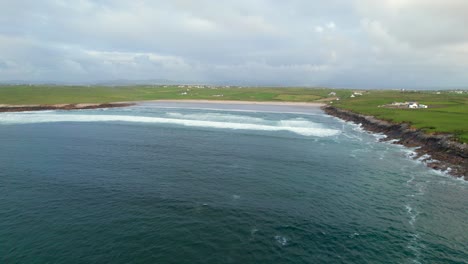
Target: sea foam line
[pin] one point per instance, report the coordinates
(231, 110)
(216, 117)
(301, 127)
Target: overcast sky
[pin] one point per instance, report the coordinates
(339, 43)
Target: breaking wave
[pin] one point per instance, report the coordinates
(215, 117)
(298, 126)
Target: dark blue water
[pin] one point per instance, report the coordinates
(165, 183)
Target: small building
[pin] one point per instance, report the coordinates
(352, 96)
(413, 105)
(332, 94)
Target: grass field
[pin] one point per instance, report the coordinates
(101, 94)
(447, 112)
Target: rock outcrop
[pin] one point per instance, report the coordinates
(443, 153)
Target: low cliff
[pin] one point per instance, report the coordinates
(446, 154)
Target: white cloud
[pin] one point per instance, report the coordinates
(424, 38)
(377, 43)
(421, 23)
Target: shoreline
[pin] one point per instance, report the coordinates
(233, 102)
(80, 106)
(444, 153)
(23, 108)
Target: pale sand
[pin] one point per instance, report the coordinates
(313, 104)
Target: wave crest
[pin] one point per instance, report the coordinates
(298, 126)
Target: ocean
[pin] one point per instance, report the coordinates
(219, 183)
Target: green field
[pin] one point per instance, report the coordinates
(447, 112)
(101, 94)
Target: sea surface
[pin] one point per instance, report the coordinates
(214, 183)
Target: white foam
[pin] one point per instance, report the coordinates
(353, 137)
(216, 117)
(391, 141)
(298, 122)
(306, 111)
(379, 136)
(426, 158)
(358, 128)
(281, 240)
(301, 127)
(453, 181)
(410, 153)
(415, 246)
(411, 180)
(413, 214)
(253, 231)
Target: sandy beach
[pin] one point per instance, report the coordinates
(232, 102)
(21, 108)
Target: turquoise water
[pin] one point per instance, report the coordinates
(180, 183)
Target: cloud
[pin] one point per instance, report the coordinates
(421, 23)
(3, 65)
(319, 29)
(419, 41)
(359, 43)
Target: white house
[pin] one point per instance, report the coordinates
(412, 105)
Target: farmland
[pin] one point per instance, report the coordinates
(447, 112)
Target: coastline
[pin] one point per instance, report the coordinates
(23, 108)
(234, 102)
(438, 151)
(42, 107)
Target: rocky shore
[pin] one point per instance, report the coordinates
(438, 151)
(22, 108)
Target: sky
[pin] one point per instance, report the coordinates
(334, 43)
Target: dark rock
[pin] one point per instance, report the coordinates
(441, 147)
